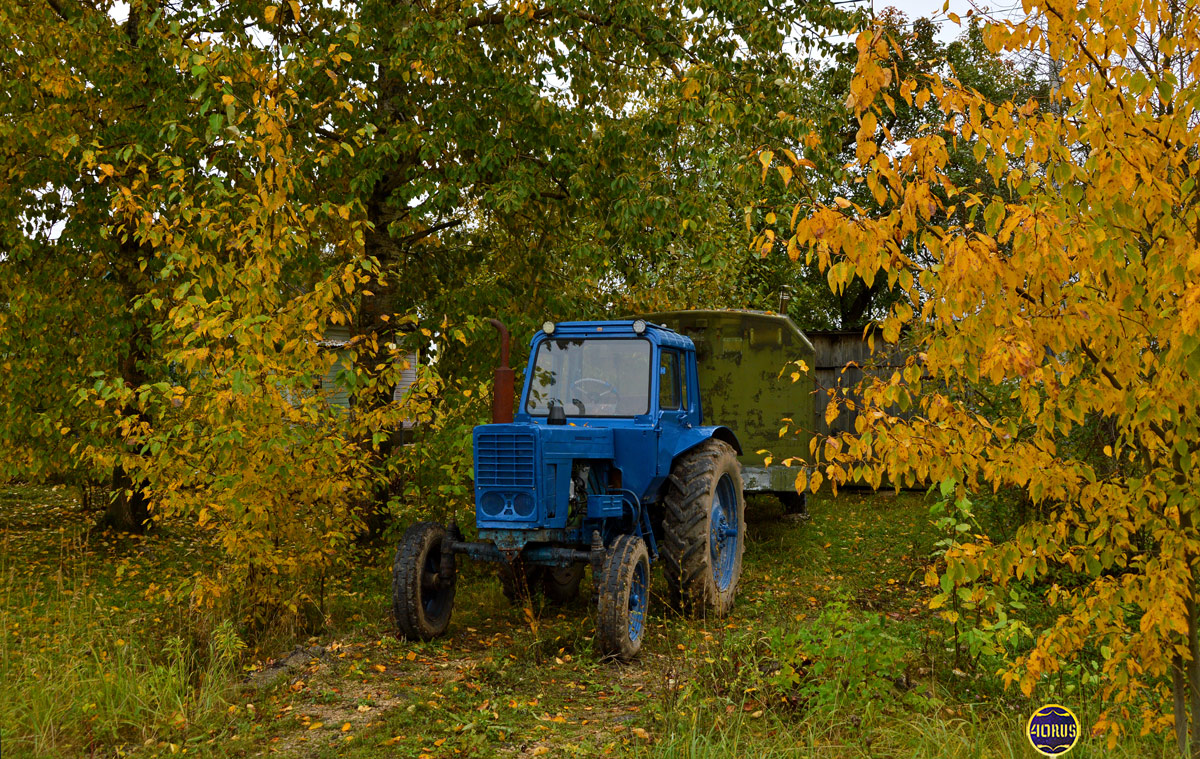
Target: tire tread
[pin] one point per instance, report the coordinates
(613, 604)
(407, 611)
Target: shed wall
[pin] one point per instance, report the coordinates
(334, 389)
(843, 359)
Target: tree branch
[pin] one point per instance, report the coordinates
(58, 9)
(417, 236)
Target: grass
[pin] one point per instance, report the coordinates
(92, 654)
(830, 652)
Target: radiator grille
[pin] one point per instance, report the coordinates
(504, 460)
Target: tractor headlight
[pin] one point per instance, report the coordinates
(548, 327)
(639, 326)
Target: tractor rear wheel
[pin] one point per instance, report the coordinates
(704, 529)
(421, 598)
(624, 598)
(561, 584)
(519, 580)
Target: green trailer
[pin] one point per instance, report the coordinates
(741, 357)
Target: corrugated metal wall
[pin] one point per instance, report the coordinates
(335, 391)
(407, 378)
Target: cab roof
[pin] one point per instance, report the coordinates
(656, 333)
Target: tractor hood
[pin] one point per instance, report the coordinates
(523, 470)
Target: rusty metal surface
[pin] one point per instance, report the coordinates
(741, 355)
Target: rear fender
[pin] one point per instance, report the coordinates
(698, 435)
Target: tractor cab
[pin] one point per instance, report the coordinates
(601, 372)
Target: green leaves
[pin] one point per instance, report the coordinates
(194, 256)
(199, 201)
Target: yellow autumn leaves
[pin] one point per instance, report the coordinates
(1043, 297)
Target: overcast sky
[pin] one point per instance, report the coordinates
(915, 9)
(912, 8)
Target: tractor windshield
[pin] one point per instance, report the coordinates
(590, 378)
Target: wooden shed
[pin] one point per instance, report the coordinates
(843, 358)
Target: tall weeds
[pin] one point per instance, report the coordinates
(73, 683)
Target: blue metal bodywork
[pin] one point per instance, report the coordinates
(528, 472)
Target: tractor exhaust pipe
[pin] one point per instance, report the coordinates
(503, 387)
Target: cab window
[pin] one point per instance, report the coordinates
(596, 377)
(683, 386)
(669, 389)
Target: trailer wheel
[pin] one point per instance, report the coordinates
(704, 529)
(561, 584)
(519, 581)
(422, 599)
(624, 598)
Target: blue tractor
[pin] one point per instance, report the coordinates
(606, 462)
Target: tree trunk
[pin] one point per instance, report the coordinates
(1179, 691)
(1194, 668)
(128, 509)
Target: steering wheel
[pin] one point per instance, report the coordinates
(594, 390)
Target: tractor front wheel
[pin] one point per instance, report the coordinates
(422, 598)
(624, 598)
(704, 529)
